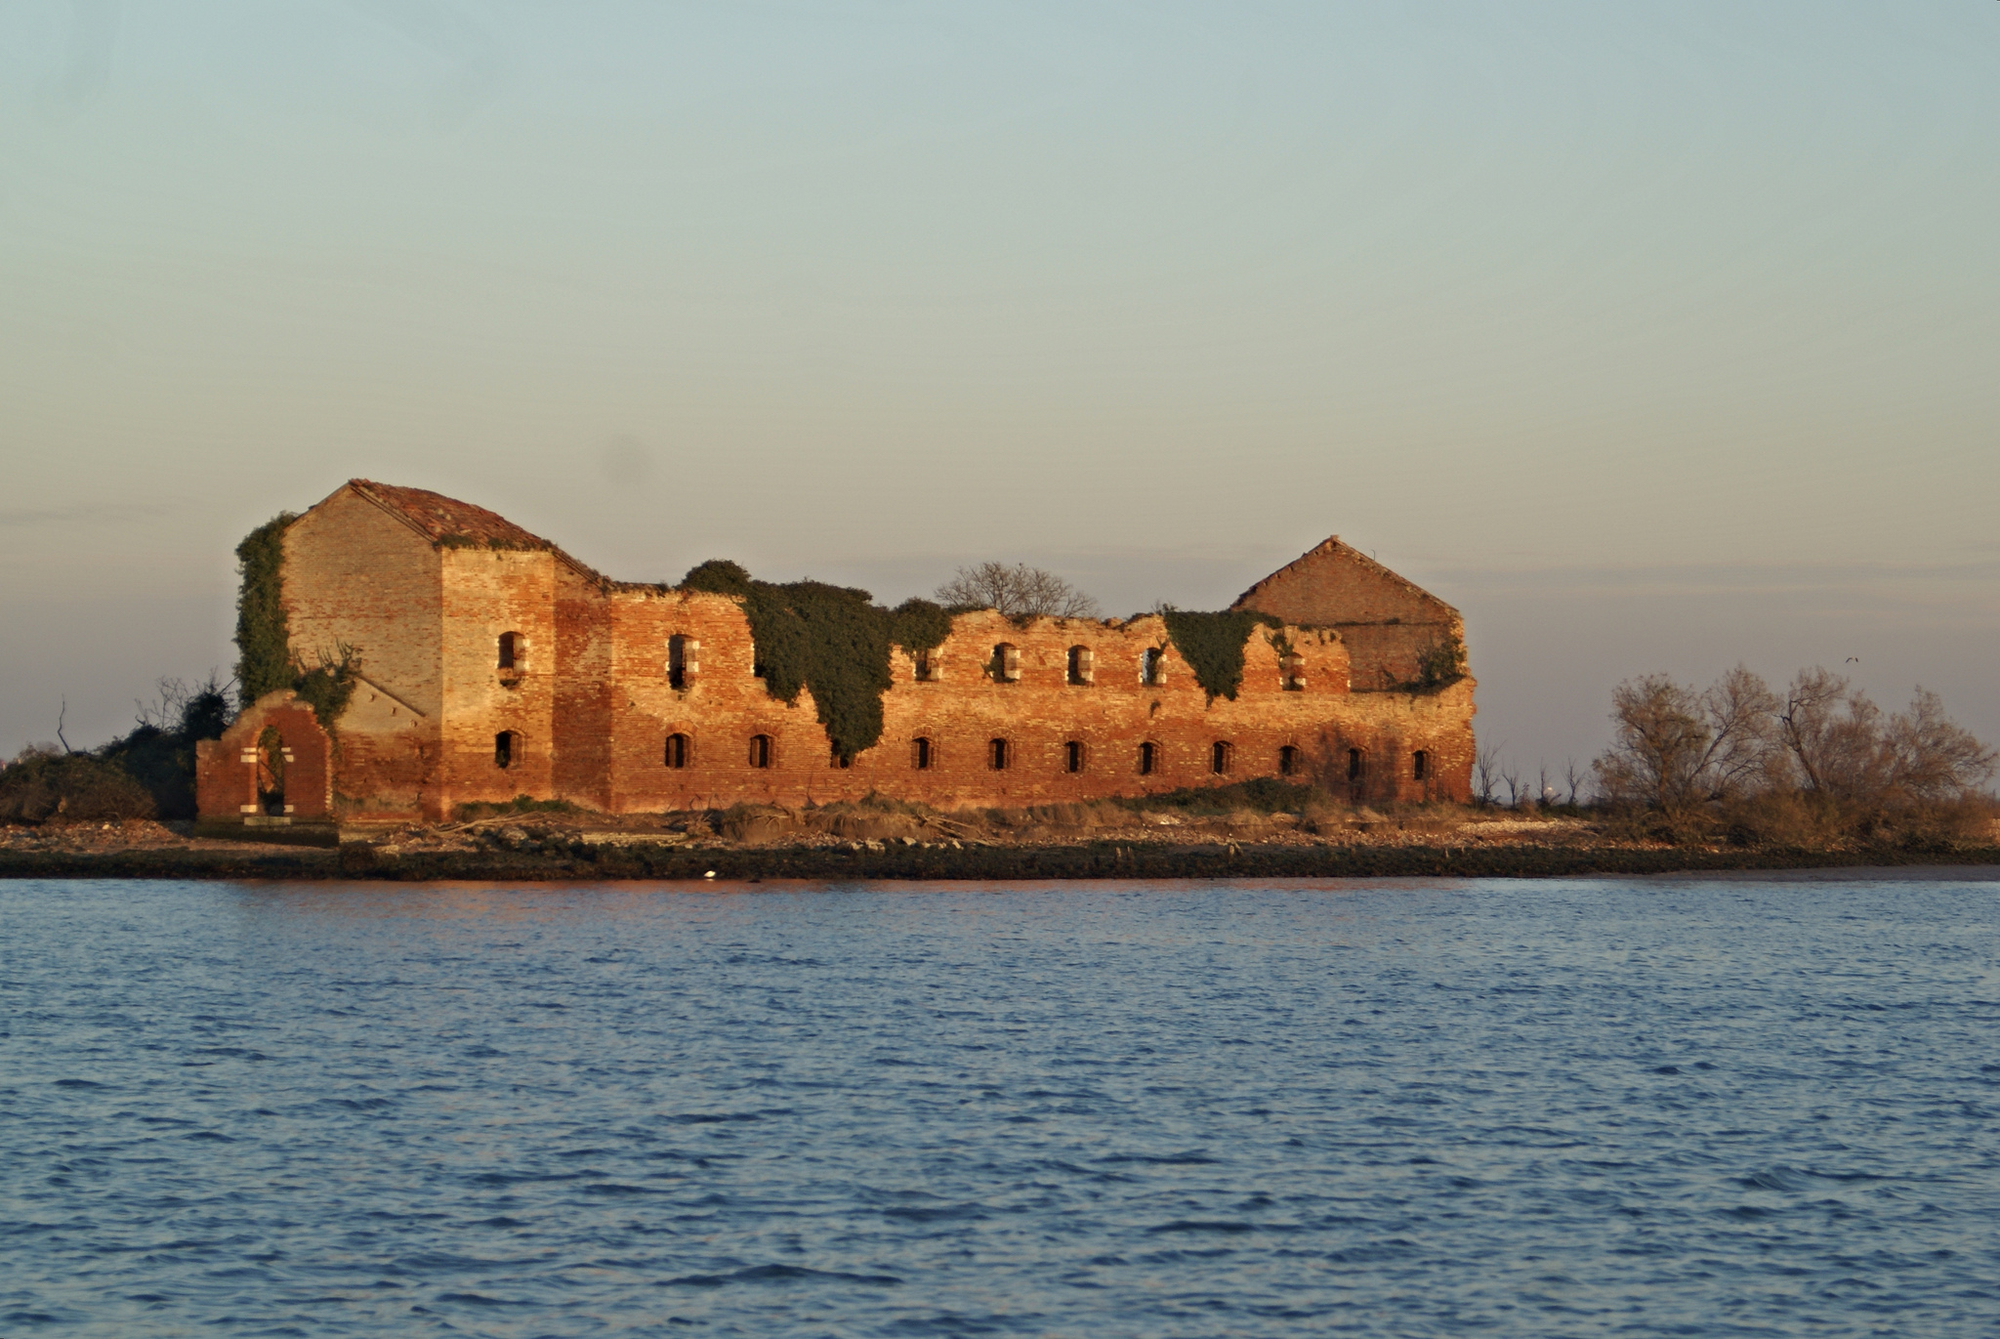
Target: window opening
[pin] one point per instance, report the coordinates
(930, 667)
(677, 750)
(1218, 757)
(1152, 669)
(1354, 764)
(1006, 663)
(999, 754)
(510, 649)
(505, 745)
(1292, 672)
(1288, 761)
(1073, 756)
(1420, 765)
(1149, 759)
(681, 662)
(1082, 666)
(839, 760)
(921, 754)
(760, 750)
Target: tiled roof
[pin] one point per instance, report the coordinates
(447, 521)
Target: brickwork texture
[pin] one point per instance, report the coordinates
(494, 665)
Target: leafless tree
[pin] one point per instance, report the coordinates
(1019, 591)
(1675, 748)
(1927, 757)
(1837, 740)
(1486, 772)
(1511, 779)
(1573, 781)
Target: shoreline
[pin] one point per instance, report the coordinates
(1095, 860)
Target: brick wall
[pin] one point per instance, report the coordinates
(589, 706)
(1387, 622)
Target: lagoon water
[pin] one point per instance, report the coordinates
(1636, 1107)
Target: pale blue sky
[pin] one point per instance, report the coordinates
(1653, 336)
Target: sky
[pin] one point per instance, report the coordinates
(1654, 337)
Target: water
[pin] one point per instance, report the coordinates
(1399, 1108)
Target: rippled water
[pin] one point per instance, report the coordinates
(1410, 1108)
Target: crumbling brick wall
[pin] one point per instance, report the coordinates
(1388, 623)
(424, 588)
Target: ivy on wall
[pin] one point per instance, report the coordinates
(263, 638)
(833, 640)
(1212, 645)
(265, 663)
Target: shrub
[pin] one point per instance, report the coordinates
(41, 787)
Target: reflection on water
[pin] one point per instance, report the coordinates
(1417, 1107)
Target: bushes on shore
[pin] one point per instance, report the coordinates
(1816, 765)
(146, 773)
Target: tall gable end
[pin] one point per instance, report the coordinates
(1332, 584)
(1389, 624)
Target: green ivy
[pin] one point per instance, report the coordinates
(327, 686)
(833, 640)
(1212, 645)
(1439, 665)
(263, 638)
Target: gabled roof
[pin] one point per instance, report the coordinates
(1331, 547)
(448, 522)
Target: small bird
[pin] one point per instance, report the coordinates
(1854, 660)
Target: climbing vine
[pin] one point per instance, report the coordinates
(263, 639)
(1439, 665)
(327, 686)
(833, 640)
(1212, 645)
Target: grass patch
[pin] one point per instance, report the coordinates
(520, 804)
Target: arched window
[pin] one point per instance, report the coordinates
(1006, 663)
(760, 750)
(513, 650)
(1073, 756)
(1082, 666)
(1220, 756)
(506, 746)
(838, 760)
(922, 754)
(683, 660)
(1149, 759)
(1288, 760)
(677, 751)
(999, 754)
(1420, 765)
(1153, 667)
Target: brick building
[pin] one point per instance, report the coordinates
(491, 664)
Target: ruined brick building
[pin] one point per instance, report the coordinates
(486, 663)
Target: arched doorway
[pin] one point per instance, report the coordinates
(272, 757)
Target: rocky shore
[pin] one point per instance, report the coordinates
(756, 844)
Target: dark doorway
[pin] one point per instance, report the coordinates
(271, 771)
(677, 751)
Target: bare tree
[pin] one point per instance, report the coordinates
(1928, 758)
(1019, 591)
(1831, 733)
(1573, 780)
(1486, 772)
(1675, 748)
